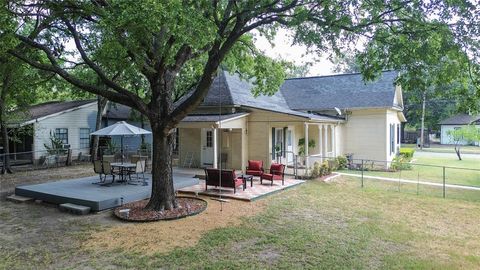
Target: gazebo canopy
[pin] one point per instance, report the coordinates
(121, 128)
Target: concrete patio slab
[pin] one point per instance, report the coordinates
(81, 191)
(249, 194)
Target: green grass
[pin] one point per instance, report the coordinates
(439, 148)
(338, 226)
(317, 225)
(456, 172)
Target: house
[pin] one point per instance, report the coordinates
(341, 114)
(70, 121)
(456, 122)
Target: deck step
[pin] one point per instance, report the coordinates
(19, 199)
(74, 208)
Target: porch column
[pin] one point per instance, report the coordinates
(325, 140)
(306, 147)
(334, 144)
(244, 148)
(320, 147)
(215, 148)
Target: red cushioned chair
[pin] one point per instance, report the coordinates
(229, 179)
(276, 172)
(255, 168)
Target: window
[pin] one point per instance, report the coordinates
(209, 138)
(392, 139)
(62, 134)
(398, 133)
(84, 138)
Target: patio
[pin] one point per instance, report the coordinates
(81, 191)
(249, 194)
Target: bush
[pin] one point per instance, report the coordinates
(320, 170)
(342, 162)
(401, 163)
(407, 152)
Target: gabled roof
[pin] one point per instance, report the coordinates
(43, 110)
(230, 90)
(344, 91)
(461, 119)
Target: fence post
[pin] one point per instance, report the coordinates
(362, 173)
(443, 181)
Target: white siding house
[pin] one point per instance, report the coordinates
(456, 122)
(70, 121)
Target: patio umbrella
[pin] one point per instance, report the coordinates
(122, 129)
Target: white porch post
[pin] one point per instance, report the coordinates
(320, 147)
(334, 144)
(215, 148)
(325, 140)
(306, 148)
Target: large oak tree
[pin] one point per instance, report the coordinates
(177, 47)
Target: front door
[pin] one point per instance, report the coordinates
(207, 147)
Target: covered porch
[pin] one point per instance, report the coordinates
(301, 144)
(217, 141)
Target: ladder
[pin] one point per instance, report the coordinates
(189, 160)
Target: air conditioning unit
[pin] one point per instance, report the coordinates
(65, 146)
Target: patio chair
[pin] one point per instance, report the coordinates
(108, 170)
(276, 172)
(97, 168)
(228, 179)
(109, 158)
(255, 168)
(139, 170)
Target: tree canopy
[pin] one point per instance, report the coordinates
(173, 49)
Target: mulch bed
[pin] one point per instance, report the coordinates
(188, 206)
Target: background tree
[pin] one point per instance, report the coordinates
(176, 48)
(467, 134)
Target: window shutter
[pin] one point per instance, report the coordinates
(284, 144)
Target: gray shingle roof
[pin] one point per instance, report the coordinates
(211, 117)
(344, 91)
(230, 89)
(461, 119)
(48, 108)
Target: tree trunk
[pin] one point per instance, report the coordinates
(3, 123)
(163, 194)
(457, 151)
(101, 103)
(422, 135)
(6, 151)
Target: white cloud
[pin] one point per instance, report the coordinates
(283, 48)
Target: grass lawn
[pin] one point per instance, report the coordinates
(435, 174)
(317, 225)
(441, 148)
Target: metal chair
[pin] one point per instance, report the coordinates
(139, 170)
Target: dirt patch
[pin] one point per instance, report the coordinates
(164, 236)
(187, 206)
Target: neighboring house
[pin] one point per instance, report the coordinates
(456, 122)
(232, 126)
(71, 121)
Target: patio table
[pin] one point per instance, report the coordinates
(123, 169)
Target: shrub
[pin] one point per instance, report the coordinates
(401, 163)
(320, 170)
(341, 162)
(407, 152)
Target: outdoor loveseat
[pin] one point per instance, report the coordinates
(228, 179)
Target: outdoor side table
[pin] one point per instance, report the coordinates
(247, 177)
